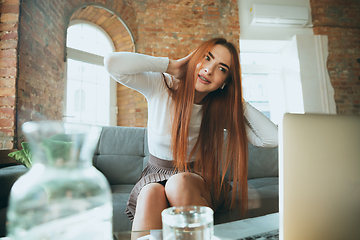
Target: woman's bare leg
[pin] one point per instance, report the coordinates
(150, 203)
(186, 189)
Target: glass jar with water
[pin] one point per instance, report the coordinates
(62, 196)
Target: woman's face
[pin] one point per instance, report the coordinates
(211, 73)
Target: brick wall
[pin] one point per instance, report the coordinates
(162, 28)
(32, 85)
(40, 81)
(173, 29)
(165, 28)
(340, 21)
(9, 20)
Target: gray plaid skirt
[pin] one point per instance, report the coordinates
(159, 171)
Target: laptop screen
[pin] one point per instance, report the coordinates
(319, 177)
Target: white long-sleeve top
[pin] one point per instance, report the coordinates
(143, 73)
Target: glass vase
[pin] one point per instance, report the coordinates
(62, 196)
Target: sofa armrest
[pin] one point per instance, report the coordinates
(8, 176)
(5, 160)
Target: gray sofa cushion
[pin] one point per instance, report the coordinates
(120, 196)
(121, 141)
(8, 177)
(120, 154)
(263, 162)
(125, 169)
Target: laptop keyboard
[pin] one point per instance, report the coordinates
(266, 235)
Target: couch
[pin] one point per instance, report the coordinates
(121, 155)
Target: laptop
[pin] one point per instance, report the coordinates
(319, 172)
(319, 187)
(319, 177)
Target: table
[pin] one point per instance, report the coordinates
(226, 231)
(247, 227)
(157, 234)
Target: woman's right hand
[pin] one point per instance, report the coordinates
(177, 68)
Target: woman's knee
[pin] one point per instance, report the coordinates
(152, 193)
(180, 180)
(150, 203)
(181, 188)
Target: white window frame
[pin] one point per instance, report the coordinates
(97, 60)
(266, 70)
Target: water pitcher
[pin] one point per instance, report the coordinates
(62, 196)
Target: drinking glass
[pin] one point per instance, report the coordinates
(188, 223)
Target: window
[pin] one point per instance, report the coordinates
(90, 94)
(255, 87)
(79, 102)
(260, 77)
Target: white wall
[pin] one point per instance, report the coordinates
(318, 93)
(263, 33)
(305, 76)
(305, 81)
(292, 78)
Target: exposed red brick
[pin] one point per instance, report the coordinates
(7, 122)
(9, 144)
(7, 101)
(10, 2)
(7, 91)
(9, 36)
(8, 26)
(6, 132)
(6, 82)
(9, 17)
(9, 9)
(7, 112)
(9, 44)
(7, 63)
(8, 72)
(10, 53)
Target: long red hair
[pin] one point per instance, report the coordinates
(223, 108)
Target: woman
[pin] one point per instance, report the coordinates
(190, 103)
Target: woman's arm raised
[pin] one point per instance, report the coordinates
(137, 71)
(260, 130)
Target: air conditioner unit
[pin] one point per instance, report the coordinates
(278, 16)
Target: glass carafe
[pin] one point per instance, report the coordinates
(62, 196)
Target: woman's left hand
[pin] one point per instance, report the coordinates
(177, 68)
